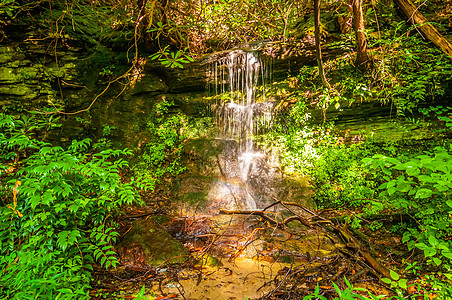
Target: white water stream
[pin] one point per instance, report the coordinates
(239, 74)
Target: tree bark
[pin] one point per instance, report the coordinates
(430, 32)
(317, 43)
(362, 59)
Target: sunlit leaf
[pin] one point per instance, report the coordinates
(394, 275)
(423, 193)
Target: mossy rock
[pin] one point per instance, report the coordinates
(209, 261)
(149, 243)
(207, 149)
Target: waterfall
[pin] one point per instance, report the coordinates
(237, 76)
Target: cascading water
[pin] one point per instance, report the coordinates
(239, 74)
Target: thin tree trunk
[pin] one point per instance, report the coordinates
(317, 43)
(410, 10)
(362, 59)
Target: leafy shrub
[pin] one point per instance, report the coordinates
(420, 185)
(339, 178)
(56, 210)
(409, 71)
(162, 155)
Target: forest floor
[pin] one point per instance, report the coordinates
(279, 254)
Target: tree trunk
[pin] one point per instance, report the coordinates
(410, 10)
(317, 43)
(362, 59)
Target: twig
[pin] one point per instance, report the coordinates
(282, 280)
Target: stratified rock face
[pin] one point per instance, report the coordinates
(25, 82)
(147, 243)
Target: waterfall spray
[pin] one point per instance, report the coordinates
(240, 72)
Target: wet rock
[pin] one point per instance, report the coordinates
(209, 261)
(147, 243)
(149, 83)
(214, 179)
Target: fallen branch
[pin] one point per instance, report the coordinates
(327, 224)
(411, 11)
(265, 214)
(353, 243)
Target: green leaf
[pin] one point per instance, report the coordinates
(403, 283)
(102, 260)
(443, 224)
(406, 237)
(410, 244)
(392, 190)
(429, 252)
(386, 171)
(437, 261)
(97, 254)
(349, 285)
(392, 160)
(386, 280)
(400, 167)
(423, 193)
(337, 289)
(394, 275)
(413, 171)
(421, 246)
(447, 254)
(89, 267)
(383, 186)
(403, 186)
(432, 240)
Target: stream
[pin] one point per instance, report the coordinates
(254, 236)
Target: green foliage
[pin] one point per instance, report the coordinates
(295, 148)
(56, 212)
(172, 59)
(420, 185)
(161, 159)
(339, 178)
(222, 24)
(336, 173)
(396, 282)
(8, 7)
(106, 130)
(439, 112)
(162, 153)
(350, 293)
(107, 72)
(406, 71)
(410, 72)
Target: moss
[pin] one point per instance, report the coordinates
(196, 197)
(205, 148)
(18, 90)
(209, 261)
(156, 243)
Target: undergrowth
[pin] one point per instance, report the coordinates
(57, 213)
(168, 129)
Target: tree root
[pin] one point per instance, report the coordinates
(342, 232)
